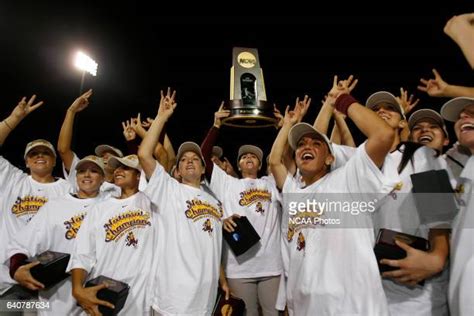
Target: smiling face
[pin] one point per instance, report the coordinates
(126, 177)
(389, 114)
(427, 132)
(312, 156)
(464, 127)
(40, 160)
(249, 164)
(190, 167)
(89, 178)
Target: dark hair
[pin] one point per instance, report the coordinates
(408, 151)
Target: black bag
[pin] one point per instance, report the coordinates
(243, 237)
(116, 293)
(52, 267)
(434, 196)
(386, 248)
(234, 306)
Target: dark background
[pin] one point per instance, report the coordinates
(141, 50)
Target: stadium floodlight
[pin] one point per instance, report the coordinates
(85, 63)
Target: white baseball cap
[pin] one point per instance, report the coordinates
(450, 110)
(424, 114)
(129, 161)
(384, 97)
(189, 146)
(39, 143)
(245, 149)
(101, 149)
(302, 129)
(94, 159)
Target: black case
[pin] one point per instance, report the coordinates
(243, 237)
(434, 196)
(115, 293)
(52, 267)
(386, 248)
(234, 306)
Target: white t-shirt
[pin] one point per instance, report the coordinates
(116, 240)
(462, 248)
(456, 158)
(186, 269)
(333, 271)
(22, 196)
(399, 213)
(257, 199)
(54, 228)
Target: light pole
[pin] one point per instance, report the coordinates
(85, 64)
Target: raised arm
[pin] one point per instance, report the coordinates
(168, 146)
(211, 137)
(342, 131)
(321, 122)
(18, 114)
(145, 151)
(379, 134)
(276, 160)
(437, 87)
(65, 134)
(461, 29)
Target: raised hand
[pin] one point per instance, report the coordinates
(434, 87)
(24, 108)
(128, 131)
(278, 116)
(167, 103)
(407, 103)
(220, 114)
(81, 102)
(301, 107)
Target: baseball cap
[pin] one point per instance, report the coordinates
(129, 161)
(450, 110)
(101, 149)
(189, 146)
(384, 97)
(94, 159)
(217, 151)
(424, 114)
(39, 143)
(301, 129)
(245, 149)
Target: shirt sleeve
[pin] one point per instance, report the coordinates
(71, 176)
(160, 187)
(219, 182)
(342, 154)
(10, 176)
(363, 176)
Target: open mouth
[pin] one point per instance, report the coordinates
(307, 156)
(467, 127)
(425, 139)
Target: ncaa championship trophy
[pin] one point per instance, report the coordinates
(248, 100)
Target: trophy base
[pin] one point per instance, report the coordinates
(245, 117)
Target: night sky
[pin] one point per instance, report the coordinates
(140, 52)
